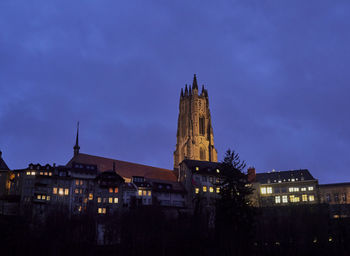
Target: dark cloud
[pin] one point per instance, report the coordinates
(276, 72)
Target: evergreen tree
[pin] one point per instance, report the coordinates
(234, 214)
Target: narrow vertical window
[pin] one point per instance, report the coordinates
(201, 126)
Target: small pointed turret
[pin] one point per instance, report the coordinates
(182, 93)
(202, 93)
(186, 91)
(76, 146)
(190, 91)
(194, 84)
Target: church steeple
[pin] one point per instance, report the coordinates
(195, 139)
(76, 146)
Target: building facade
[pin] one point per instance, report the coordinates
(195, 138)
(283, 188)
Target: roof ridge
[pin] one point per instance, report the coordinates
(163, 169)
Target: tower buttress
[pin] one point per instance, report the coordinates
(195, 138)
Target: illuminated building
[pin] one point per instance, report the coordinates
(195, 138)
(201, 180)
(278, 188)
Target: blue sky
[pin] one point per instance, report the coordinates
(276, 72)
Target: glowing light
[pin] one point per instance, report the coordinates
(277, 199)
(310, 188)
(211, 189)
(91, 196)
(217, 170)
(218, 190)
(99, 200)
(116, 200)
(263, 190)
(140, 192)
(54, 191)
(311, 198)
(196, 190)
(110, 200)
(60, 191)
(197, 168)
(66, 191)
(115, 190)
(284, 199)
(204, 188)
(110, 190)
(304, 198)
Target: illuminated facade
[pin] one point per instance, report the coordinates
(195, 138)
(278, 188)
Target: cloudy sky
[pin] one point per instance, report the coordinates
(277, 73)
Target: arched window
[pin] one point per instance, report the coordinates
(202, 153)
(201, 126)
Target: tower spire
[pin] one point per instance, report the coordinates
(194, 84)
(76, 146)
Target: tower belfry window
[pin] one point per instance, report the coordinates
(201, 126)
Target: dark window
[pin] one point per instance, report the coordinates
(336, 197)
(202, 154)
(328, 198)
(343, 197)
(201, 126)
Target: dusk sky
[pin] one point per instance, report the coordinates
(277, 74)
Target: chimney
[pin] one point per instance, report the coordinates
(251, 174)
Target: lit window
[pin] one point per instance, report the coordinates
(303, 189)
(211, 189)
(197, 168)
(296, 199)
(54, 191)
(115, 190)
(99, 210)
(76, 191)
(144, 193)
(66, 191)
(41, 173)
(277, 199)
(33, 173)
(149, 193)
(60, 191)
(81, 191)
(77, 182)
(104, 210)
(310, 188)
(296, 189)
(196, 190)
(91, 196)
(263, 190)
(284, 199)
(110, 200)
(304, 198)
(291, 198)
(43, 197)
(269, 190)
(99, 199)
(28, 173)
(291, 189)
(140, 192)
(116, 200)
(218, 190)
(81, 182)
(48, 198)
(293, 179)
(110, 190)
(217, 170)
(204, 188)
(311, 198)
(38, 197)
(50, 173)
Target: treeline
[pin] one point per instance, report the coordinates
(291, 230)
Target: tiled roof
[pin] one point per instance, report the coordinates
(344, 184)
(3, 165)
(284, 176)
(125, 169)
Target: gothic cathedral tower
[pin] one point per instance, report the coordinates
(195, 138)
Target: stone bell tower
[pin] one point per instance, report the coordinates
(195, 138)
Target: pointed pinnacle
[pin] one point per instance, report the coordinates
(194, 84)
